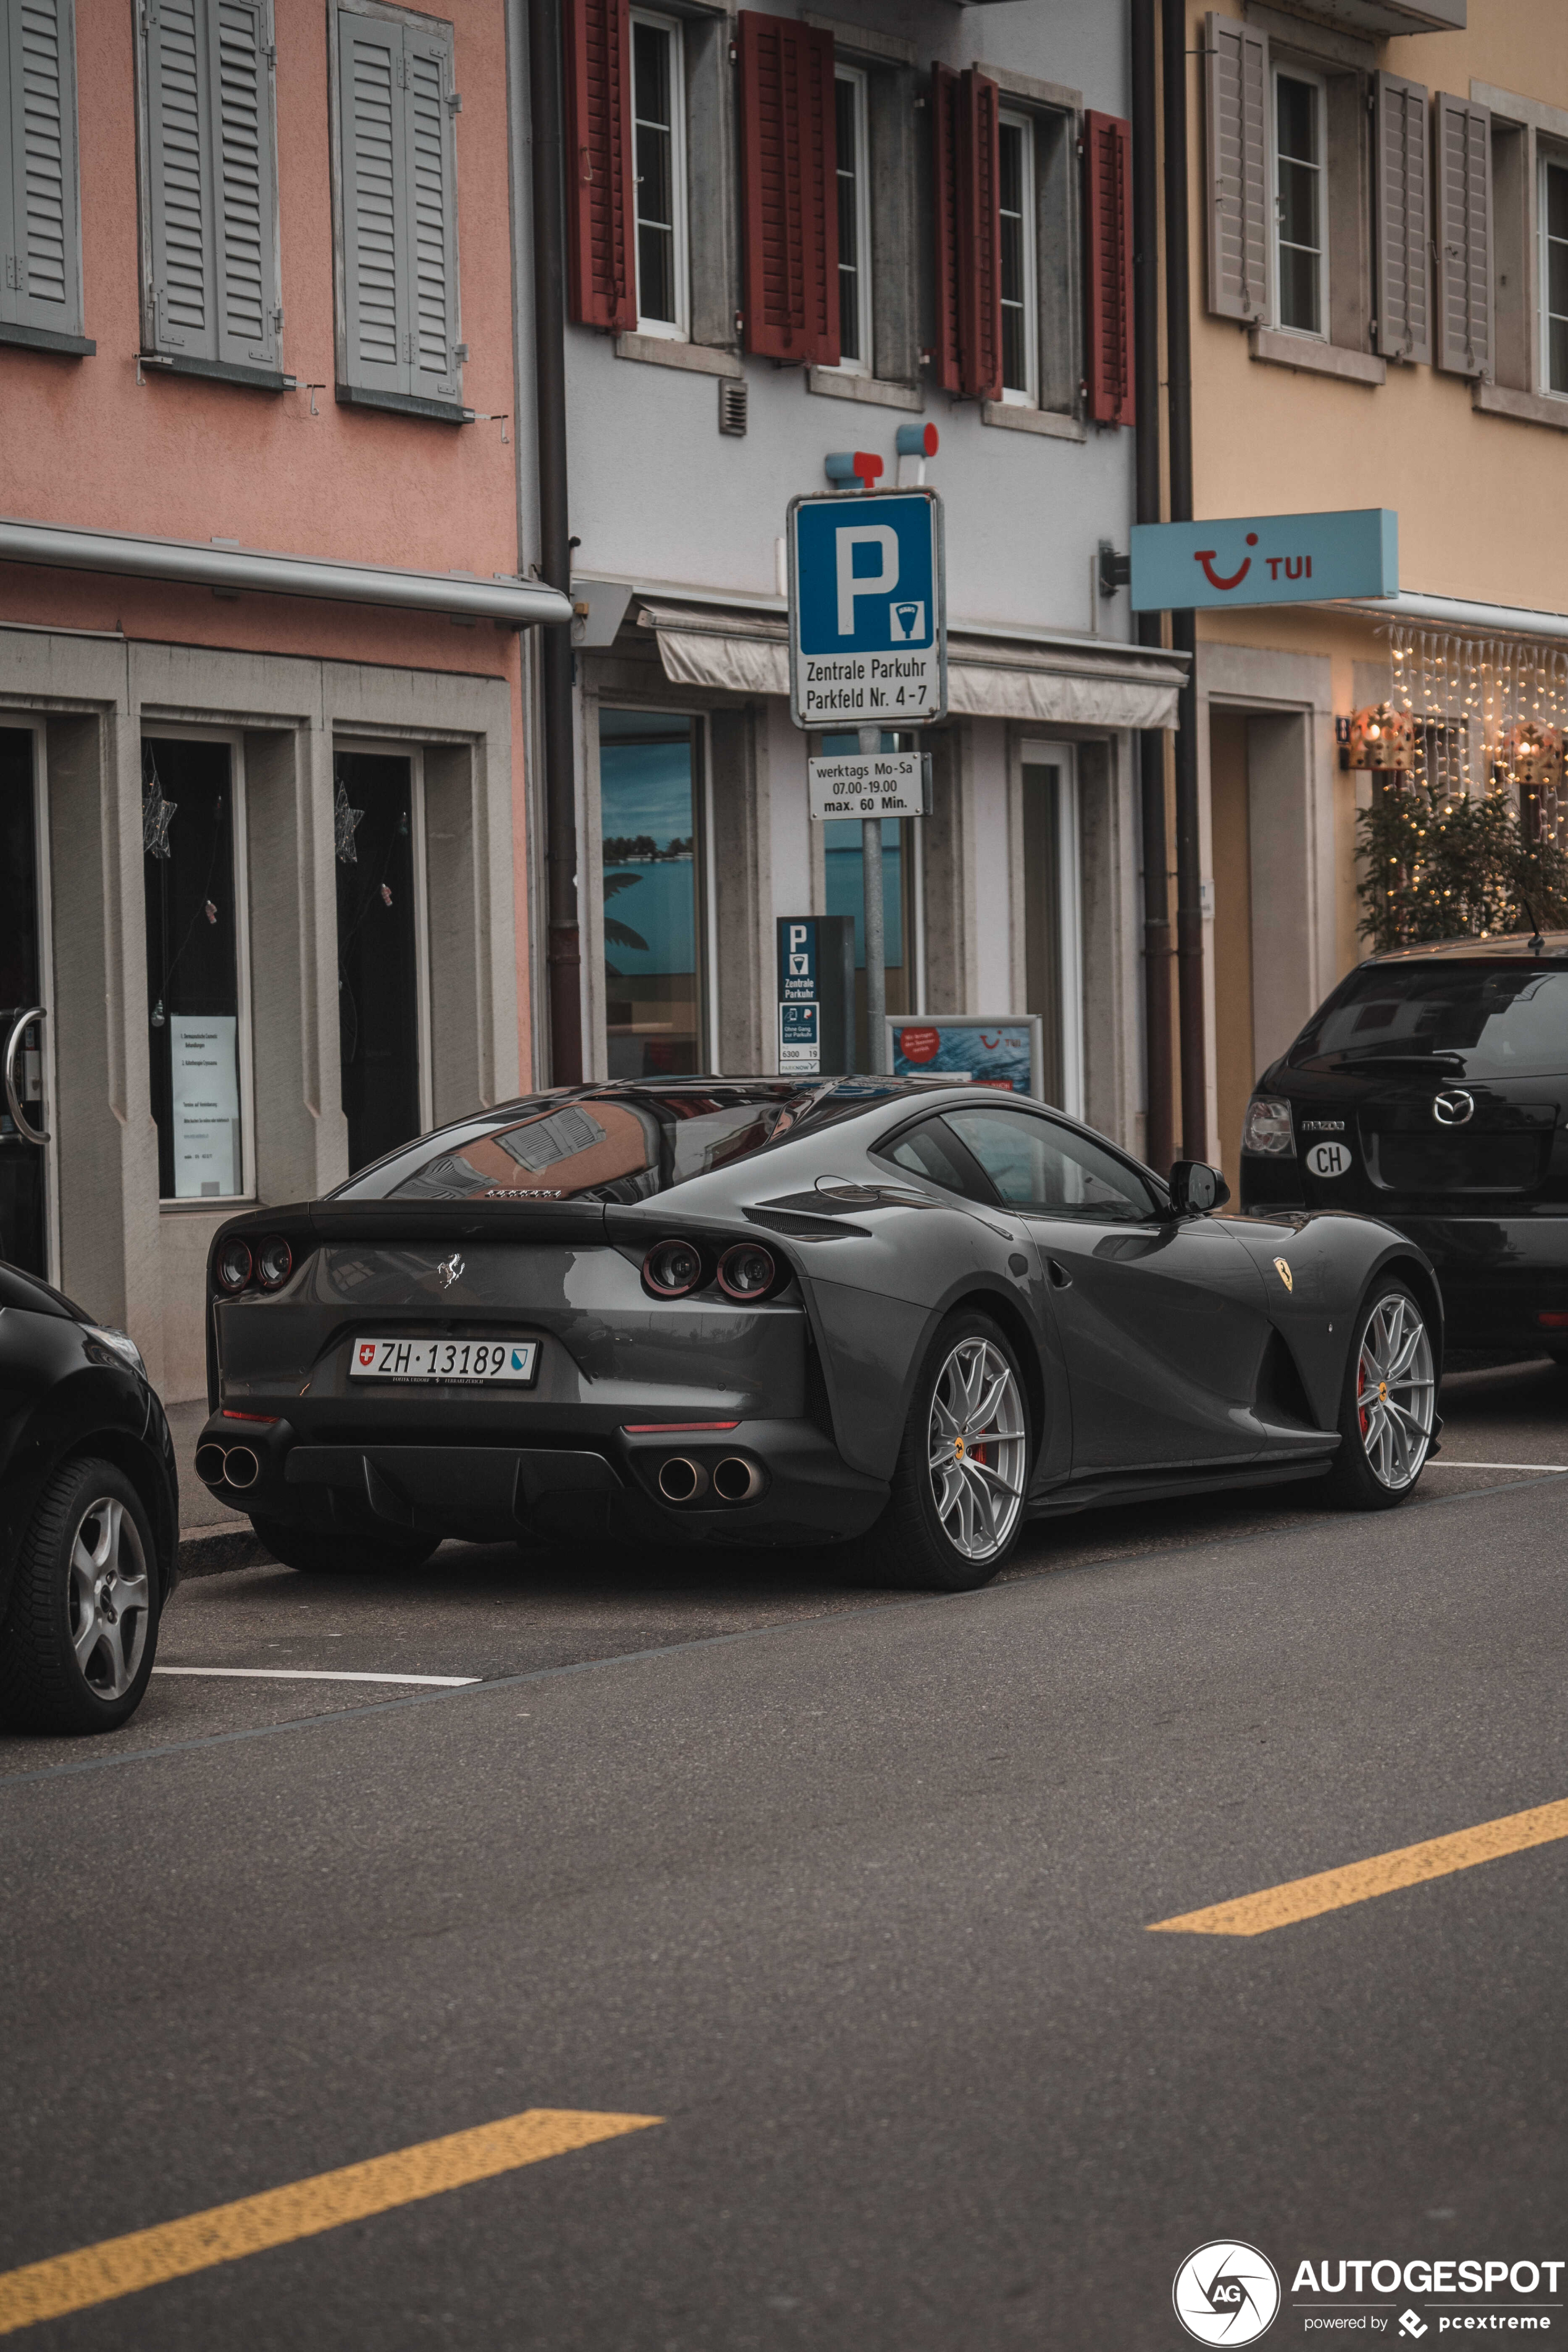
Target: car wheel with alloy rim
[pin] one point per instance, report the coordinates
(1388, 1412)
(81, 1631)
(957, 1488)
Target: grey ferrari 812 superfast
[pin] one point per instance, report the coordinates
(898, 1315)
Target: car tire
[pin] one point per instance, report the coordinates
(950, 1524)
(329, 1551)
(81, 1631)
(1388, 1404)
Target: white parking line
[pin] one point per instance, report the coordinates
(318, 1675)
(1558, 1467)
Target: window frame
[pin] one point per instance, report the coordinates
(1014, 119)
(1317, 82)
(1548, 159)
(856, 78)
(165, 730)
(677, 330)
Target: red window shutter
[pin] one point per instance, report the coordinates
(600, 215)
(980, 236)
(945, 211)
(1107, 266)
(790, 190)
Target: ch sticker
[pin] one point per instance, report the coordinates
(1283, 1271)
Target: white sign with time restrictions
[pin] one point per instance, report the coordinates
(868, 783)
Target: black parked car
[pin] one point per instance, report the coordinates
(1431, 1089)
(758, 1311)
(88, 1515)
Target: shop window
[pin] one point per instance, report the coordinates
(382, 1022)
(1554, 274)
(842, 858)
(1020, 330)
(658, 126)
(654, 897)
(854, 221)
(193, 835)
(1300, 263)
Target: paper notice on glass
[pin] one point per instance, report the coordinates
(204, 1105)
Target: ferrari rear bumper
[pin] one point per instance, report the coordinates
(762, 1482)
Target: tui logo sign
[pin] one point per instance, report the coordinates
(1226, 2292)
(1264, 560)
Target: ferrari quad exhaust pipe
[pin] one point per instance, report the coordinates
(229, 1465)
(680, 1481)
(736, 1480)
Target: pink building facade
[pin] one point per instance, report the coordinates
(264, 644)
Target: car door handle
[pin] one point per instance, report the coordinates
(1060, 1279)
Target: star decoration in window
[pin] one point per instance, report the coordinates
(156, 813)
(346, 822)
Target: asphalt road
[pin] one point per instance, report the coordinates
(851, 1891)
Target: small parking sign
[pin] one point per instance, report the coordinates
(867, 613)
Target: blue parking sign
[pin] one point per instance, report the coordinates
(868, 611)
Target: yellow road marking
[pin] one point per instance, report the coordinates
(1358, 1882)
(300, 2210)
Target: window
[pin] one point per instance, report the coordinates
(193, 832)
(854, 221)
(40, 211)
(1036, 1165)
(655, 894)
(843, 854)
(209, 147)
(382, 964)
(397, 328)
(1554, 274)
(1053, 955)
(659, 133)
(1299, 166)
(1020, 333)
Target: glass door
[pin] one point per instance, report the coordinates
(24, 1124)
(381, 1025)
(654, 914)
(843, 857)
(1053, 958)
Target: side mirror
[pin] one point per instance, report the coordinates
(1196, 1189)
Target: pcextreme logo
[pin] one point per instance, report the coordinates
(1226, 2292)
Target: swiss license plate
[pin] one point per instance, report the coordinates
(473, 1363)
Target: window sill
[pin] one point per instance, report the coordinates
(403, 404)
(1525, 407)
(1316, 359)
(216, 370)
(838, 385)
(44, 339)
(698, 359)
(1032, 420)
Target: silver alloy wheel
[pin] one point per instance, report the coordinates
(108, 1599)
(978, 1443)
(1395, 1392)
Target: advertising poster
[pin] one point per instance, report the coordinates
(204, 1056)
(1002, 1053)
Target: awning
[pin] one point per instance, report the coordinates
(1042, 679)
(211, 565)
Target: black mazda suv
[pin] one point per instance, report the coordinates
(1430, 1090)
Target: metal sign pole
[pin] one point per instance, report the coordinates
(875, 943)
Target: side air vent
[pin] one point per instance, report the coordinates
(733, 405)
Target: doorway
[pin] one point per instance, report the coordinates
(1053, 951)
(26, 1216)
(383, 985)
(844, 893)
(1231, 828)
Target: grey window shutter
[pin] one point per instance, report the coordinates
(377, 324)
(40, 209)
(1401, 178)
(245, 173)
(180, 177)
(1235, 90)
(432, 217)
(1465, 339)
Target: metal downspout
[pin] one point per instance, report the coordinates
(565, 952)
(1159, 947)
(1184, 635)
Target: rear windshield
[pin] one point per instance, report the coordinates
(613, 1147)
(1460, 1018)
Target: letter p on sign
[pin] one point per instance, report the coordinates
(852, 584)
